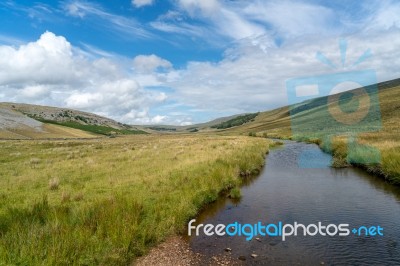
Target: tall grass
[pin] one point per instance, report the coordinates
(378, 153)
(107, 201)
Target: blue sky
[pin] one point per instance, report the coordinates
(183, 61)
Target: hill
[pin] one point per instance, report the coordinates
(26, 121)
(349, 143)
(277, 122)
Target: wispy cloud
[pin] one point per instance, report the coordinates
(209, 19)
(38, 11)
(88, 10)
(10, 40)
(93, 52)
(291, 19)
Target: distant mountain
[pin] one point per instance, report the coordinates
(202, 127)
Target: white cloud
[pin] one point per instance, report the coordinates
(252, 77)
(128, 26)
(291, 19)
(150, 63)
(385, 17)
(33, 61)
(275, 41)
(76, 9)
(267, 43)
(206, 6)
(218, 21)
(48, 71)
(144, 118)
(158, 119)
(140, 3)
(35, 91)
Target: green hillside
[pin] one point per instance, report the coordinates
(349, 143)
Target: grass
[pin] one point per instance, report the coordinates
(102, 130)
(235, 193)
(361, 152)
(385, 162)
(107, 201)
(50, 131)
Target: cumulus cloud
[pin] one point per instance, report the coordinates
(48, 71)
(35, 91)
(140, 3)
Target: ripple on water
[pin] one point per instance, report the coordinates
(288, 191)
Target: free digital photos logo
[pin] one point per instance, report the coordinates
(281, 230)
(341, 112)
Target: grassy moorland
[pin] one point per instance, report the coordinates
(316, 128)
(106, 201)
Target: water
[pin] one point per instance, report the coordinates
(288, 193)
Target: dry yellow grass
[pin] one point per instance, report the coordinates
(49, 132)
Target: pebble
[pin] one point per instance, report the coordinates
(228, 249)
(242, 258)
(254, 255)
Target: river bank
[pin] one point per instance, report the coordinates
(298, 184)
(177, 251)
(384, 161)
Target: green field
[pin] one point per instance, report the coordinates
(107, 201)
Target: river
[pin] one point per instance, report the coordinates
(297, 184)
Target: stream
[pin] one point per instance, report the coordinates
(297, 184)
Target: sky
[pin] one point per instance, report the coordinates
(182, 62)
